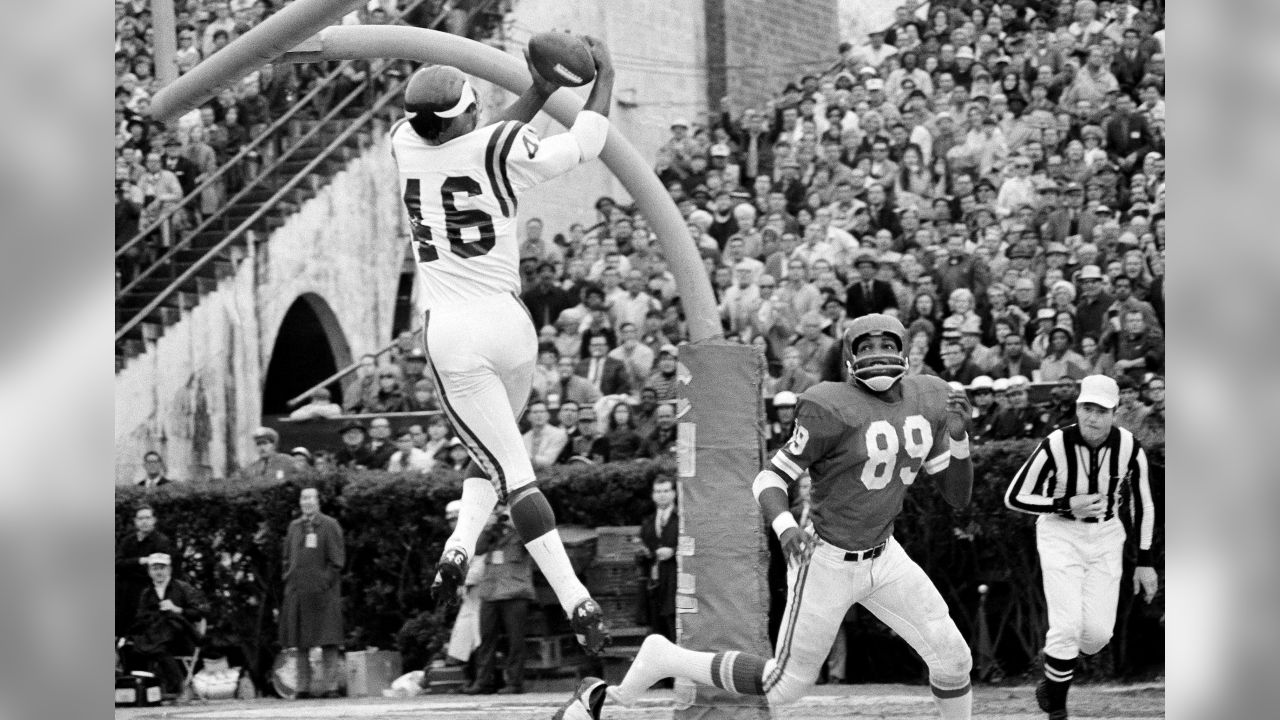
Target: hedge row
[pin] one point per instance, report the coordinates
(230, 536)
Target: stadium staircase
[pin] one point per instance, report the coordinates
(283, 167)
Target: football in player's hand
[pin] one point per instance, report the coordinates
(562, 58)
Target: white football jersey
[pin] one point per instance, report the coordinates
(461, 197)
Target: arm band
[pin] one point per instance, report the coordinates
(590, 129)
(960, 448)
(767, 479)
(782, 523)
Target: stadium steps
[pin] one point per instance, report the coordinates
(171, 310)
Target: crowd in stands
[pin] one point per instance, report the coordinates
(993, 175)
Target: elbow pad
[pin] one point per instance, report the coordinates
(590, 129)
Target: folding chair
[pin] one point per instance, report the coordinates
(189, 662)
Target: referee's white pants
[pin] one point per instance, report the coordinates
(482, 355)
(893, 587)
(1081, 564)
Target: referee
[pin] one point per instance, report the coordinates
(1075, 481)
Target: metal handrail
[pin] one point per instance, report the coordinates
(266, 206)
(296, 401)
(284, 157)
(323, 84)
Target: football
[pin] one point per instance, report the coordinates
(562, 58)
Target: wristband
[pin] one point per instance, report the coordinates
(960, 448)
(1062, 505)
(782, 523)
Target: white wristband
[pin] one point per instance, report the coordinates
(960, 448)
(782, 523)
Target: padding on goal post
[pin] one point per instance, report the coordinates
(722, 593)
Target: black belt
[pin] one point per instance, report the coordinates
(868, 554)
(1083, 519)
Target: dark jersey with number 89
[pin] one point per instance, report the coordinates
(862, 452)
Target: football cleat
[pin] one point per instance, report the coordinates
(1042, 695)
(586, 702)
(451, 571)
(876, 371)
(587, 621)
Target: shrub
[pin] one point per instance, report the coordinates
(230, 535)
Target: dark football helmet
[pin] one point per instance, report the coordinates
(875, 371)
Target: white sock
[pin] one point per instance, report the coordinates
(478, 500)
(956, 708)
(548, 552)
(660, 658)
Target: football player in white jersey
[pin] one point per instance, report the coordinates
(461, 184)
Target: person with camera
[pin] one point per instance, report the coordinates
(505, 592)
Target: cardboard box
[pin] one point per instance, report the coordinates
(369, 672)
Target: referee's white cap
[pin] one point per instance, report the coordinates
(1099, 390)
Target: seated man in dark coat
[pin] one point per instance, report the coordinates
(165, 626)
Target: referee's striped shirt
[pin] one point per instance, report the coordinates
(1064, 466)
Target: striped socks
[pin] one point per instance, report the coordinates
(1058, 673)
(956, 704)
(660, 658)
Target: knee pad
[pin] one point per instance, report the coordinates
(1093, 640)
(955, 660)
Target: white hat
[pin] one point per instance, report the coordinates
(785, 398)
(1000, 385)
(982, 382)
(1019, 381)
(875, 84)
(159, 559)
(453, 507)
(1099, 390)
(1090, 272)
(954, 385)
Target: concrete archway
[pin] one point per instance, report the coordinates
(309, 346)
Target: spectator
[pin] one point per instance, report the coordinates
(1134, 349)
(434, 438)
(321, 406)
(314, 555)
(506, 588)
(663, 378)
(636, 357)
(544, 441)
(413, 369)
(657, 557)
(1063, 363)
(408, 458)
(582, 437)
(1015, 361)
(955, 366)
(454, 456)
(165, 626)
(380, 446)
(363, 391)
(1131, 413)
(546, 299)
(390, 396)
(132, 552)
(1152, 429)
(662, 439)
(868, 295)
(303, 462)
(272, 466)
(464, 638)
(572, 387)
(813, 344)
(153, 472)
(605, 374)
(424, 397)
(355, 448)
(620, 441)
(784, 404)
(982, 393)
(1018, 419)
(1061, 410)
